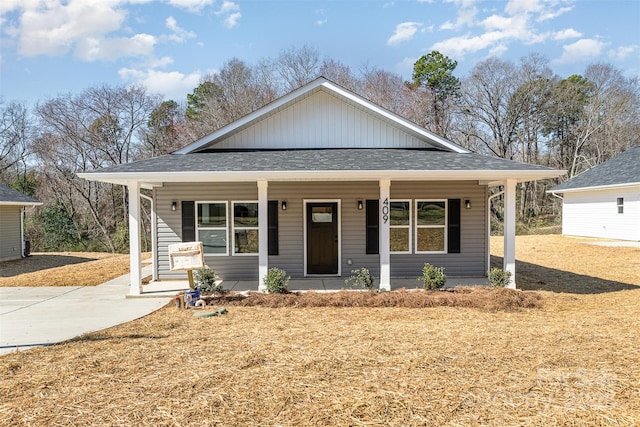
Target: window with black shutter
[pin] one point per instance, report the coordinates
(272, 219)
(188, 221)
(453, 225)
(373, 221)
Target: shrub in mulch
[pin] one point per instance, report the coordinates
(500, 299)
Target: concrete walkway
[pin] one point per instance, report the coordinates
(46, 315)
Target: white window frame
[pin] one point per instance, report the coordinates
(408, 227)
(225, 228)
(234, 228)
(445, 226)
(620, 205)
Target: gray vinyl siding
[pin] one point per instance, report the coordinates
(472, 259)
(352, 223)
(470, 262)
(10, 233)
(170, 225)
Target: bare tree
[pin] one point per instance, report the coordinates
(15, 133)
(298, 66)
(97, 128)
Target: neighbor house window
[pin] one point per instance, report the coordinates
(620, 204)
(400, 227)
(212, 227)
(245, 228)
(431, 226)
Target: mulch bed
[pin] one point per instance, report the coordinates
(480, 298)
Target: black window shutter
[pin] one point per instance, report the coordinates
(453, 220)
(273, 227)
(373, 221)
(188, 221)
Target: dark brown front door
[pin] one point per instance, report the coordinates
(322, 238)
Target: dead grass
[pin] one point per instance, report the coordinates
(574, 361)
(566, 264)
(64, 269)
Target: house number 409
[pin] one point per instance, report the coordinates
(385, 210)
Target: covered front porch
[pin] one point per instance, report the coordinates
(384, 262)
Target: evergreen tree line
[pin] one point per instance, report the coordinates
(514, 110)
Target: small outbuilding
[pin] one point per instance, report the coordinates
(604, 202)
(12, 205)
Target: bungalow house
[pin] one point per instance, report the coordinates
(604, 201)
(319, 182)
(12, 205)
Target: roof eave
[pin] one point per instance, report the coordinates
(487, 177)
(2, 203)
(595, 188)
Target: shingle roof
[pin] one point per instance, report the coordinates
(10, 196)
(322, 160)
(622, 169)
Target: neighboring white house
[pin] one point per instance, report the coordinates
(12, 204)
(604, 201)
(317, 183)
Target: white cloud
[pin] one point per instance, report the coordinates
(404, 32)
(321, 22)
(405, 67)
(94, 49)
(569, 33)
(231, 13)
(551, 14)
(583, 49)
(172, 84)
(623, 52)
(448, 25)
(459, 46)
(55, 28)
(179, 34)
(191, 5)
(498, 50)
(467, 12)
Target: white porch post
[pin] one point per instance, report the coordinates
(135, 268)
(509, 256)
(154, 236)
(383, 244)
(263, 234)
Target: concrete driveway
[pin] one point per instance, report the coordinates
(46, 315)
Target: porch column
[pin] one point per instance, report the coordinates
(263, 234)
(135, 268)
(509, 256)
(383, 246)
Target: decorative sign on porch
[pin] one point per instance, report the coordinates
(186, 256)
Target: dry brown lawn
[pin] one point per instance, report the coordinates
(64, 269)
(575, 361)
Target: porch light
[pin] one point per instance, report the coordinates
(174, 206)
(467, 203)
(360, 205)
(284, 205)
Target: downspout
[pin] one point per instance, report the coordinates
(22, 247)
(154, 235)
(489, 229)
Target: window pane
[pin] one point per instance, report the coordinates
(321, 214)
(399, 239)
(214, 241)
(212, 215)
(399, 213)
(430, 239)
(431, 213)
(245, 214)
(246, 241)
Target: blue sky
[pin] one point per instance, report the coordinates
(50, 47)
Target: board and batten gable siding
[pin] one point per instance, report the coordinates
(472, 259)
(170, 224)
(321, 121)
(10, 233)
(594, 213)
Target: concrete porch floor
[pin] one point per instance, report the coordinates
(164, 288)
